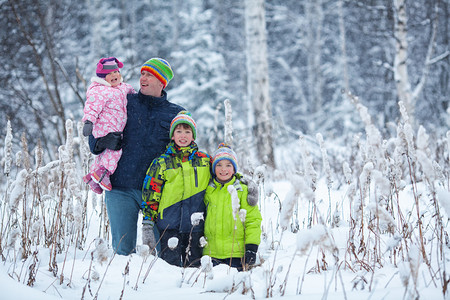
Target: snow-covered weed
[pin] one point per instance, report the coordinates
(393, 208)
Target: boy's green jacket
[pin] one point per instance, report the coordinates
(225, 232)
(174, 188)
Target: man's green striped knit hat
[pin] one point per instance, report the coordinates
(160, 68)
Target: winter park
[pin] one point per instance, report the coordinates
(337, 112)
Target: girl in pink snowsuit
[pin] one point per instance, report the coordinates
(105, 111)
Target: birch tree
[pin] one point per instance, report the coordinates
(343, 43)
(258, 79)
(405, 91)
(314, 15)
(401, 56)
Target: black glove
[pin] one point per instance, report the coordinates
(112, 140)
(250, 254)
(87, 128)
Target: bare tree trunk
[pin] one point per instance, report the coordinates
(258, 79)
(344, 65)
(401, 56)
(404, 90)
(314, 14)
(96, 40)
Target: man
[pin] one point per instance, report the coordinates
(145, 137)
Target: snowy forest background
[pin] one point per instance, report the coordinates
(314, 50)
(348, 98)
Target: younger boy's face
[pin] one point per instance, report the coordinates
(113, 78)
(182, 135)
(224, 170)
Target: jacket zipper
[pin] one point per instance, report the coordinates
(196, 179)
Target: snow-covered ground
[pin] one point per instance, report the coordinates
(282, 273)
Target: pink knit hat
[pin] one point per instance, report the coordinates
(108, 65)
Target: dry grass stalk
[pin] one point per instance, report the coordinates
(125, 273)
(43, 193)
(104, 275)
(32, 270)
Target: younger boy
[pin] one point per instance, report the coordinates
(173, 193)
(232, 235)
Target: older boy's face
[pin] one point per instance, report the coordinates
(224, 170)
(182, 136)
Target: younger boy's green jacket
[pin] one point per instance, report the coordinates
(225, 232)
(174, 187)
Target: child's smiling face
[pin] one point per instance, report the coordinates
(182, 135)
(113, 78)
(224, 170)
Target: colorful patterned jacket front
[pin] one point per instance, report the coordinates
(174, 188)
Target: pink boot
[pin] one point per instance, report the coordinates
(93, 185)
(101, 176)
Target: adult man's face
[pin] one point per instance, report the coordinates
(150, 85)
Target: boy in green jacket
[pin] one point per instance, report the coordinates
(232, 225)
(172, 194)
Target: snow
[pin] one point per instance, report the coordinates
(352, 237)
(172, 242)
(242, 215)
(11, 289)
(196, 218)
(444, 199)
(308, 237)
(234, 200)
(299, 257)
(289, 261)
(8, 148)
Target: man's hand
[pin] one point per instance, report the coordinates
(112, 140)
(148, 236)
